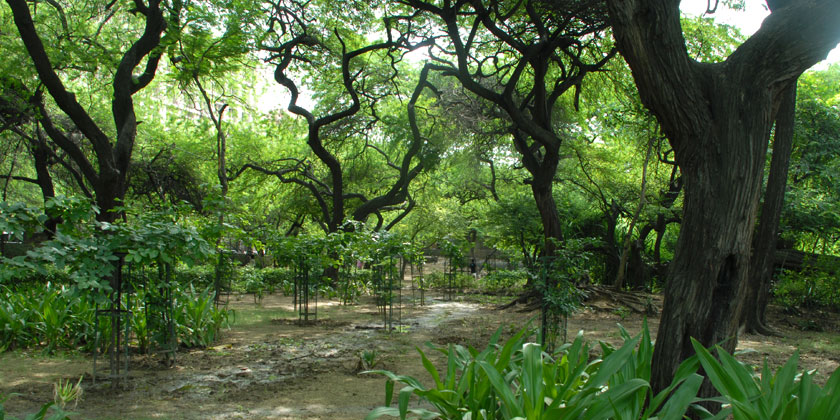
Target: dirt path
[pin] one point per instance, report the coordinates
(269, 367)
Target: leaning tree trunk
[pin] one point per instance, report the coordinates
(761, 269)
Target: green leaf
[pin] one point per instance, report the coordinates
(677, 404)
(510, 405)
(722, 381)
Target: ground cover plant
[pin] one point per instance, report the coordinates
(517, 379)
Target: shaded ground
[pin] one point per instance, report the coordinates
(269, 367)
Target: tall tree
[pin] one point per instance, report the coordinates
(366, 73)
(718, 119)
(521, 58)
(107, 173)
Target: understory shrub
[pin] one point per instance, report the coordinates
(18, 277)
(276, 278)
(807, 290)
(785, 395)
(44, 315)
(199, 275)
(504, 281)
(51, 317)
(439, 280)
(518, 380)
(354, 283)
(197, 320)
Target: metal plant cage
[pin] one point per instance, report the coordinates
(118, 316)
(417, 283)
(305, 293)
(387, 286)
(553, 313)
(159, 311)
(451, 268)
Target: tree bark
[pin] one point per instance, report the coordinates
(109, 176)
(718, 119)
(549, 216)
(761, 269)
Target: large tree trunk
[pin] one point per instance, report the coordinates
(717, 118)
(549, 216)
(761, 270)
(711, 261)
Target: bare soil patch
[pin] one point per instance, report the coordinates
(269, 366)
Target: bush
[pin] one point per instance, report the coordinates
(277, 278)
(507, 281)
(355, 283)
(11, 276)
(197, 320)
(51, 317)
(46, 315)
(807, 290)
(439, 280)
(199, 275)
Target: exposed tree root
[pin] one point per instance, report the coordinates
(636, 302)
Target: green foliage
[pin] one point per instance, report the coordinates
(18, 219)
(507, 281)
(51, 317)
(815, 289)
(197, 320)
(453, 249)
(811, 216)
(439, 280)
(45, 315)
(786, 394)
(368, 359)
(48, 411)
(513, 225)
(251, 281)
(67, 392)
(555, 281)
(277, 278)
(518, 380)
(87, 250)
(197, 275)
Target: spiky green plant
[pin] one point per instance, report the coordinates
(518, 380)
(785, 395)
(67, 392)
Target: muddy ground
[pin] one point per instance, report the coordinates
(267, 366)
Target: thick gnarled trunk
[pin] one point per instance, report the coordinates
(709, 271)
(717, 117)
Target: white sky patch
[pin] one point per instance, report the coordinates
(276, 97)
(747, 20)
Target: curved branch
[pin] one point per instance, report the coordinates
(282, 176)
